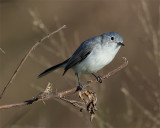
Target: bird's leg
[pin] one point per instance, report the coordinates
(99, 78)
(80, 86)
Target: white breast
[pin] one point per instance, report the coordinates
(96, 60)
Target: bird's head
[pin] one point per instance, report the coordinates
(112, 39)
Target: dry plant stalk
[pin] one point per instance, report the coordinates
(46, 94)
(91, 104)
(25, 58)
(88, 97)
(145, 111)
(150, 30)
(2, 50)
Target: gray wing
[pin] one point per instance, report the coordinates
(82, 52)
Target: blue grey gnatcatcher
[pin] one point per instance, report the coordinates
(91, 56)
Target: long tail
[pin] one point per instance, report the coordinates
(47, 71)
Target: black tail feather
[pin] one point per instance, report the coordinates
(47, 71)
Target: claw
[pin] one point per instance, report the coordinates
(79, 87)
(99, 79)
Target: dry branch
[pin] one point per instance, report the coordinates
(25, 57)
(46, 95)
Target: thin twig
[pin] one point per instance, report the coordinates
(113, 71)
(144, 110)
(63, 93)
(26, 56)
(74, 103)
(2, 50)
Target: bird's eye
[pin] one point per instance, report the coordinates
(112, 38)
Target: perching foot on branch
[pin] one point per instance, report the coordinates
(99, 78)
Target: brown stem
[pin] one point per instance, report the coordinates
(2, 50)
(64, 93)
(25, 58)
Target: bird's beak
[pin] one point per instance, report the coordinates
(120, 43)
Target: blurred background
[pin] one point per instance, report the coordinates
(128, 99)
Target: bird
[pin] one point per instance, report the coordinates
(91, 56)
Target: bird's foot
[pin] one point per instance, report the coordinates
(99, 79)
(79, 87)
